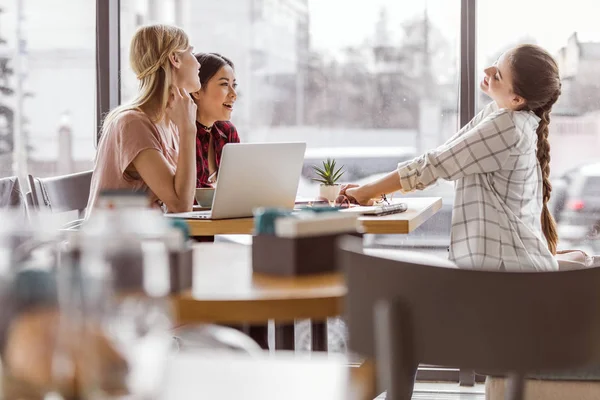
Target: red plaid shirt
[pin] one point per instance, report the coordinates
(222, 132)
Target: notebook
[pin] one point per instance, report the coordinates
(378, 210)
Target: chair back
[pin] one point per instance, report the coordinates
(405, 312)
(10, 192)
(61, 193)
(11, 195)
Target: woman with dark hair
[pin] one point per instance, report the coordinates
(500, 162)
(214, 101)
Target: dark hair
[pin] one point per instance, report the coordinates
(537, 80)
(210, 64)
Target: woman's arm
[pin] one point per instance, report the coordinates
(175, 190)
(483, 149)
(365, 194)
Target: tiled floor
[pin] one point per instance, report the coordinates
(423, 390)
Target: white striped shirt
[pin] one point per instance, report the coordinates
(496, 220)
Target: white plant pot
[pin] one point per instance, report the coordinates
(329, 192)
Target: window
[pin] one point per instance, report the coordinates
(377, 89)
(570, 34)
(47, 87)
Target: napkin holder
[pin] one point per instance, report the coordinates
(301, 246)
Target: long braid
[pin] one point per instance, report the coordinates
(543, 156)
(536, 79)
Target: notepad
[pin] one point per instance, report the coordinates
(381, 209)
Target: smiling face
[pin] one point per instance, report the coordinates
(498, 84)
(217, 97)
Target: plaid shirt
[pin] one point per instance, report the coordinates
(496, 220)
(222, 132)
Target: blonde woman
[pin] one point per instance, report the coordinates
(149, 144)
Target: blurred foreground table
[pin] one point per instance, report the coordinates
(226, 291)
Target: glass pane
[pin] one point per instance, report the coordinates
(592, 186)
(47, 87)
(570, 34)
(370, 86)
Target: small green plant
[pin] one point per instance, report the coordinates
(328, 175)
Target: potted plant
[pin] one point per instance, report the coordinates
(328, 177)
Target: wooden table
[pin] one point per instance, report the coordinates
(230, 376)
(420, 209)
(225, 290)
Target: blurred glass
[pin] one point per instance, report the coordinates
(29, 313)
(91, 320)
(122, 277)
(47, 121)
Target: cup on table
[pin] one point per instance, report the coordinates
(204, 196)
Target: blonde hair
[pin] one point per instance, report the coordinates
(151, 47)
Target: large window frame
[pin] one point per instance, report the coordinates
(108, 59)
(108, 96)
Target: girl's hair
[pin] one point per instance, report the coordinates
(210, 64)
(536, 79)
(151, 47)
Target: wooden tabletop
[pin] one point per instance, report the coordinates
(225, 290)
(231, 376)
(420, 209)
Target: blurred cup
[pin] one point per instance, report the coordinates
(204, 196)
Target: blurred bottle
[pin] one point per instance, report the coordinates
(124, 282)
(29, 312)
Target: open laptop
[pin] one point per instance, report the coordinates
(254, 175)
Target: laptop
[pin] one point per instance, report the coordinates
(254, 175)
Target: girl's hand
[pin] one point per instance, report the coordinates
(355, 196)
(181, 109)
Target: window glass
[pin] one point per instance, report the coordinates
(47, 87)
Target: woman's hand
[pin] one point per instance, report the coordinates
(181, 109)
(175, 189)
(355, 195)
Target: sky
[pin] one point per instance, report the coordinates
(339, 23)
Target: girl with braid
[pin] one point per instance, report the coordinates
(500, 163)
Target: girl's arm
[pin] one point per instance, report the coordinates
(484, 148)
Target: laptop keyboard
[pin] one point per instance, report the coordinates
(191, 215)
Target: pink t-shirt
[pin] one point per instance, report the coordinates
(131, 132)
